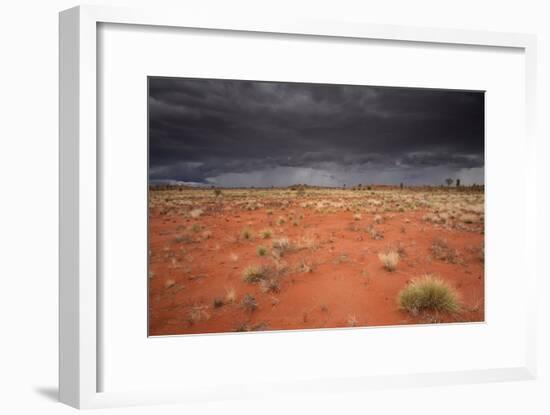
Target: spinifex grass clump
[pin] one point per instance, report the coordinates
(255, 273)
(247, 234)
(428, 293)
(266, 233)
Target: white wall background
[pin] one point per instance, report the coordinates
(28, 204)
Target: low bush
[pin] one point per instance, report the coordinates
(428, 293)
(255, 273)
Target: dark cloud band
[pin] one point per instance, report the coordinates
(220, 131)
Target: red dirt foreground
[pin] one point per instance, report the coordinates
(316, 254)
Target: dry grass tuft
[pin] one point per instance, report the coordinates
(270, 285)
(389, 259)
(197, 313)
(247, 234)
(230, 295)
(261, 250)
(374, 233)
(255, 273)
(282, 245)
(266, 233)
(304, 266)
(195, 213)
(352, 320)
(428, 293)
(243, 327)
(443, 252)
(249, 302)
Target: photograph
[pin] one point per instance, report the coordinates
(295, 206)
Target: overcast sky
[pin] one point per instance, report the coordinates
(250, 133)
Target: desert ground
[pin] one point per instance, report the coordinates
(228, 260)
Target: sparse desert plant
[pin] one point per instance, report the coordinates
(443, 252)
(246, 234)
(352, 320)
(218, 302)
(308, 242)
(195, 213)
(184, 238)
(197, 313)
(261, 250)
(341, 258)
(357, 216)
(270, 285)
(428, 293)
(304, 266)
(282, 245)
(255, 273)
(433, 218)
(249, 302)
(389, 259)
(230, 295)
(266, 233)
(400, 249)
(243, 327)
(281, 220)
(374, 233)
(195, 227)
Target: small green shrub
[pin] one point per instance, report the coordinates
(266, 233)
(246, 234)
(428, 294)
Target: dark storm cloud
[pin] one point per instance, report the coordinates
(237, 133)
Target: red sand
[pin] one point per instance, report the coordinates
(348, 284)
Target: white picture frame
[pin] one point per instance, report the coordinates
(79, 362)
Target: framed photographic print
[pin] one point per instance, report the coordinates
(280, 206)
(312, 192)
